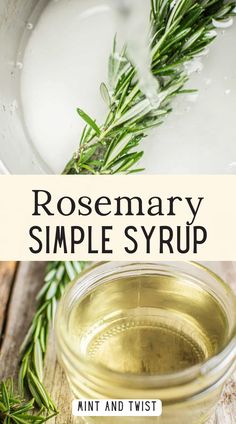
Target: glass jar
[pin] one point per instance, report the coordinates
(163, 330)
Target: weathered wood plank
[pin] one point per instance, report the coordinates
(7, 274)
(226, 270)
(28, 280)
(57, 386)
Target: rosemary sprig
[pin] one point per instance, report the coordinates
(33, 349)
(181, 30)
(14, 409)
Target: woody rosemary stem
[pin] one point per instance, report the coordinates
(181, 31)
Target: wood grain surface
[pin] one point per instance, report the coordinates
(18, 287)
(7, 276)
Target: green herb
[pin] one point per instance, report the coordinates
(14, 409)
(33, 349)
(180, 31)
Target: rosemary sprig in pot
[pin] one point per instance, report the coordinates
(181, 30)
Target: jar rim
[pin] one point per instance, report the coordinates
(155, 381)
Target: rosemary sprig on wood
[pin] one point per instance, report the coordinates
(181, 30)
(14, 409)
(33, 349)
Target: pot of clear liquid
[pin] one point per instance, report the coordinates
(54, 56)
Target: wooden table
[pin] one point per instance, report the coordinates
(19, 284)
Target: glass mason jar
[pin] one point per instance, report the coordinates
(163, 330)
